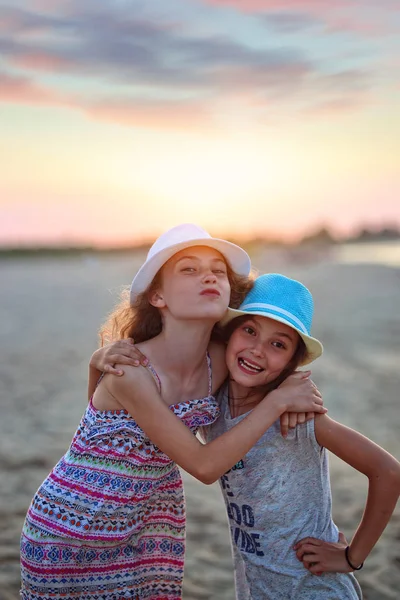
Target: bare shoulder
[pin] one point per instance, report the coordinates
(134, 378)
(352, 447)
(216, 351)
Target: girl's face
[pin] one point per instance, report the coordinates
(194, 285)
(259, 349)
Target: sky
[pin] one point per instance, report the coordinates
(122, 118)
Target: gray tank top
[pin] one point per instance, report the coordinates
(276, 495)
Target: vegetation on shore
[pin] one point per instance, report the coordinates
(323, 237)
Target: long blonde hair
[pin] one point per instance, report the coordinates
(142, 321)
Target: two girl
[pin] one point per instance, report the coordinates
(278, 500)
(109, 520)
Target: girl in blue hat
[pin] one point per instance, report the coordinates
(278, 499)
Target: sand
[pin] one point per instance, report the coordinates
(50, 310)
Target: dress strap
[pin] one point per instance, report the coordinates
(158, 380)
(209, 374)
(155, 376)
(99, 379)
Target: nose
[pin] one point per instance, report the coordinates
(258, 349)
(210, 277)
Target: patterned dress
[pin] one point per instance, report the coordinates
(109, 520)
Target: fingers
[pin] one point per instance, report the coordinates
(318, 399)
(125, 353)
(297, 419)
(301, 374)
(112, 370)
(315, 389)
(291, 420)
(122, 359)
(310, 416)
(342, 538)
(132, 351)
(308, 552)
(307, 540)
(318, 408)
(315, 568)
(284, 424)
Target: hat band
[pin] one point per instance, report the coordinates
(279, 310)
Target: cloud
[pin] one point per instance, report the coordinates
(314, 6)
(342, 16)
(134, 51)
(338, 106)
(290, 22)
(21, 90)
(124, 111)
(155, 70)
(152, 115)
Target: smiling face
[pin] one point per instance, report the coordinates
(259, 349)
(194, 285)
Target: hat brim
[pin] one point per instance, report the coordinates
(236, 257)
(314, 346)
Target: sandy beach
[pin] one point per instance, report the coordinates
(50, 311)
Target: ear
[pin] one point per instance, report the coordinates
(156, 299)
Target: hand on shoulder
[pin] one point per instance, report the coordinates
(137, 383)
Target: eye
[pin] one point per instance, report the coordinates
(249, 330)
(188, 270)
(279, 345)
(220, 271)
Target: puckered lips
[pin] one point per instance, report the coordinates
(210, 293)
(249, 366)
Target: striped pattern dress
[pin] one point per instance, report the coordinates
(109, 520)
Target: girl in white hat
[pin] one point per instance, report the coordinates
(109, 520)
(285, 544)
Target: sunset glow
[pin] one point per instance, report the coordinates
(249, 118)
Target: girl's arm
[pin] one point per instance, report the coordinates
(137, 393)
(125, 352)
(383, 472)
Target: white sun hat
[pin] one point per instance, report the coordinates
(178, 238)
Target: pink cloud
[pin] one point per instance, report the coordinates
(40, 61)
(23, 91)
(359, 26)
(314, 6)
(338, 17)
(338, 106)
(159, 115)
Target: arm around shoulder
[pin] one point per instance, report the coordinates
(137, 393)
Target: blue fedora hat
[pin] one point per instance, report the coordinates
(285, 300)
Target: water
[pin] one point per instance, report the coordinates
(384, 253)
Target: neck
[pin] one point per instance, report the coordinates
(243, 399)
(181, 346)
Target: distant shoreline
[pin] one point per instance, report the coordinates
(320, 239)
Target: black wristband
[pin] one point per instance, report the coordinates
(346, 553)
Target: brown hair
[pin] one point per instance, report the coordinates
(142, 321)
(297, 359)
